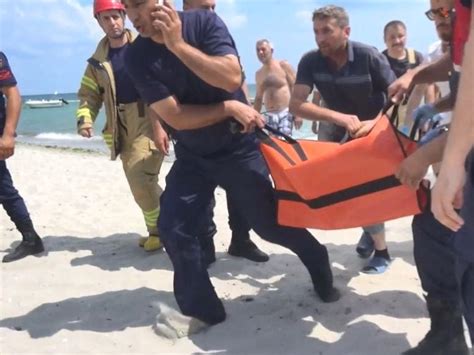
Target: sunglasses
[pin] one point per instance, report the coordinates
(441, 12)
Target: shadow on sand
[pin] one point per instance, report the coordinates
(286, 311)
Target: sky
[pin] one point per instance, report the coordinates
(48, 42)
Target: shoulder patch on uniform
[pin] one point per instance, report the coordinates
(5, 74)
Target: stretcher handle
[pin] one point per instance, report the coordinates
(279, 133)
(393, 119)
(265, 139)
(394, 115)
(236, 127)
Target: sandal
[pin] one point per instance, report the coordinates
(376, 265)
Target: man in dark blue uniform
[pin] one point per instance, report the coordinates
(453, 177)
(9, 197)
(186, 68)
(241, 244)
(440, 253)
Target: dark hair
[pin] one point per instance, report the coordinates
(332, 11)
(393, 23)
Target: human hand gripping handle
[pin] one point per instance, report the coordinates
(166, 19)
(247, 118)
(350, 122)
(412, 170)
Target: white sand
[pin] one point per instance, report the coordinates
(94, 291)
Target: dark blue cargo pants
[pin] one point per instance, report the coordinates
(190, 186)
(435, 257)
(10, 199)
(464, 247)
(238, 224)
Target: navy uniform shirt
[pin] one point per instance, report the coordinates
(6, 79)
(159, 74)
(124, 88)
(358, 88)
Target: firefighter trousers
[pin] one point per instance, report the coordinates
(141, 163)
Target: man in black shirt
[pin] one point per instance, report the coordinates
(400, 58)
(352, 79)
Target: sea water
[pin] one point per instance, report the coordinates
(56, 126)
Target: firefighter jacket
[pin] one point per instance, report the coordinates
(124, 123)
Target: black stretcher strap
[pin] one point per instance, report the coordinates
(265, 139)
(367, 188)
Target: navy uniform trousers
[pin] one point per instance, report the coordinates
(190, 186)
(464, 247)
(237, 223)
(435, 258)
(10, 198)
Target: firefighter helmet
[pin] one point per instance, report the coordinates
(104, 5)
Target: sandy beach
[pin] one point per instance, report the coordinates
(95, 291)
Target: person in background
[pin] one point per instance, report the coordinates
(437, 106)
(10, 199)
(240, 245)
(275, 81)
(352, 79)
(401, 59)
(128, 130)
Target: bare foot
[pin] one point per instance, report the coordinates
(173, 325)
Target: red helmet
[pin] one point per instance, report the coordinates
(104, 5)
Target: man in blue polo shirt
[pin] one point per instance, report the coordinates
(9, 196)
(186, 68)
(352, 79)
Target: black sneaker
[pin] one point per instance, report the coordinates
(24, 249)
(248, 250)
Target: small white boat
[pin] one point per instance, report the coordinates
(45, 103)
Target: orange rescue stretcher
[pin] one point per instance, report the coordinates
(329, 186)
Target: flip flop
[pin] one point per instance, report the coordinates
(376, 265)
(365, 246)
